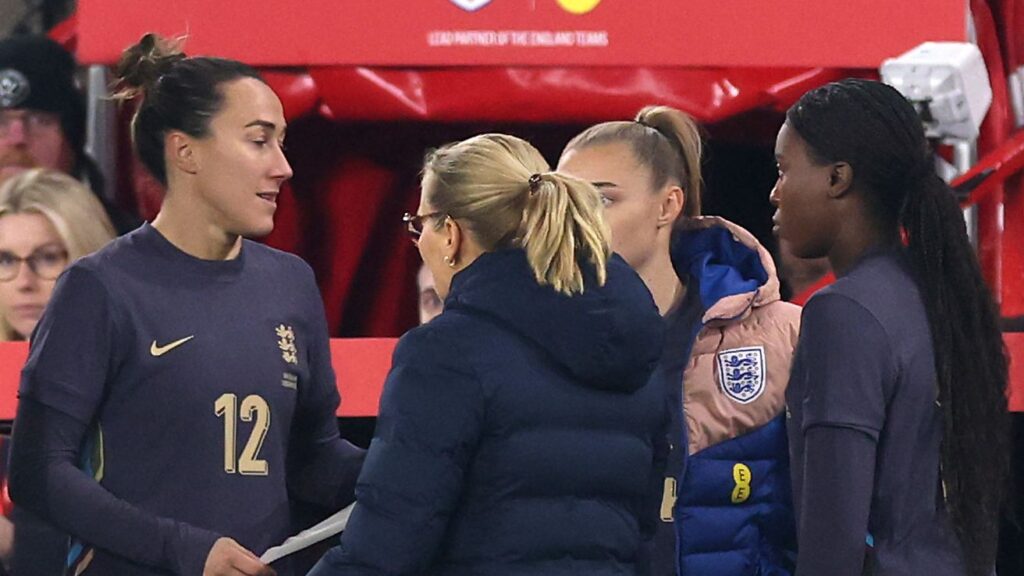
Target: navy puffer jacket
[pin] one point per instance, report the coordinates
(517, 434)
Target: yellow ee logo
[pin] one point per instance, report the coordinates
(742, 476)
(578, 6)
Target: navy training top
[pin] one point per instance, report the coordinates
(865, 429)
(210, 393)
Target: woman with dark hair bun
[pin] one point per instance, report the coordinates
(179, 391)
(898, 418)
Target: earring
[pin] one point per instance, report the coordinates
(449, 261)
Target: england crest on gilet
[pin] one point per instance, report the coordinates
(741, 373)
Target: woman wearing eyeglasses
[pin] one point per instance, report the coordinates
(47, 219)
(516, 432)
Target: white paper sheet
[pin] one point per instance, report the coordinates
(332, 526)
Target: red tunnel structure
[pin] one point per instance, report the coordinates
(369, 86)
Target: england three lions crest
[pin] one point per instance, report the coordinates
(286, 343)
(471, 5)
(741, 372)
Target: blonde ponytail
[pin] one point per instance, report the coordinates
(499, 187)
(563, 225)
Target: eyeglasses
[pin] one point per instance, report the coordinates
(45, 263)
(414, 223)
(32, 121)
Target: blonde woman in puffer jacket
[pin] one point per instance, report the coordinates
(726, 508)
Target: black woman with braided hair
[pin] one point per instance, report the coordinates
(898, 418)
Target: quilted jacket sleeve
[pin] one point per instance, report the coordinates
(431, 415)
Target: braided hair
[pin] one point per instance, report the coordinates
(875, 130)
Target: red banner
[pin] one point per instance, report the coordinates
(361, 365)
(780, 33)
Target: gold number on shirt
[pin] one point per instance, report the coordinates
(248, 464)
(227, 406)
(253, 406)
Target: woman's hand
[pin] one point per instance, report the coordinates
(229, 558)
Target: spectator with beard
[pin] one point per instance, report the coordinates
(42, 116)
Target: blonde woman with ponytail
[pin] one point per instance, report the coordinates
(517, 433)
(725, 506)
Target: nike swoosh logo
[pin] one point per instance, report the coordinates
(158, 351)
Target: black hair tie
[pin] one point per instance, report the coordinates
(534, 181)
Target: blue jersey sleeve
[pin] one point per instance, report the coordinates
(431, 417)
(71, 351)
(46, 481)
(838, 484)
(322, 467)
(847, 363)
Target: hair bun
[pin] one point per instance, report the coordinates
(142, 65)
